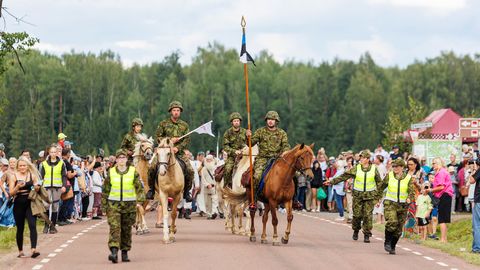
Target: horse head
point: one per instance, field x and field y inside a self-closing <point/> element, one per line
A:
<point x="304" y="158"/>
<point x="143" y="147"/>
<point x="164" y="154"/>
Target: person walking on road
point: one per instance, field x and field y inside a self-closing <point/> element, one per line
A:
<point x="400" y="192"/>
<point x="122" y="193"/>
<point x="366" y="179"/>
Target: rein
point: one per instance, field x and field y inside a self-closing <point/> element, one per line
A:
<point x="293" y="164"/>
<point x="167" y="164"/>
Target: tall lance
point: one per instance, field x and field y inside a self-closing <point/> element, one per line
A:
<point x="245" y="72"/>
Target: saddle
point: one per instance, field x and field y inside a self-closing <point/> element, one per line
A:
<point x="246" y="175"/>
<point x="218" y="174"/>
<point x="182" y="165"/>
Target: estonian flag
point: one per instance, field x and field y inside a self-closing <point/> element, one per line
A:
<point x="245" y="57"/>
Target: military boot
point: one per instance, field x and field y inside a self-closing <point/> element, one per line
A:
<point x="180" y="212"/>
<point x="113" y="256"/>
<point x="388" y="241"/>
<point x="355" y="235"/>
<point x="394" y="243"/>
<point x="187" y="213"/>
<point x="125" y="256"/>
<point x="366" y="238"/>
<point x="46" y="228"/>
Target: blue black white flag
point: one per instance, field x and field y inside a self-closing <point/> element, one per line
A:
<point x="245" y="57"/>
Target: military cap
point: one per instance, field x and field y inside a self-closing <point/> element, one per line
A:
<point x="272" y="115"/>
<point x="365" y="154"/>
<point x="235" y="115"/>
<point x="136" y="122"/>
<point x="121" y="152"/>
<point x="398" y="162"/>
<point x="175" y="104"/>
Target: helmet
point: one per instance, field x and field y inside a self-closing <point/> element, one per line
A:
<point x="272" y="115"/>
<point x="175" y="104"/>
<point x="121" y="152"/>
<point x="235" y="115"/>
<point x="398" y="163"/>
<point x="365" y="154"/>
<point x="137" y="121"/>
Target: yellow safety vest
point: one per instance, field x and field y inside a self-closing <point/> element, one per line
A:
<point x="53" y="174"/>
<point x="397" y="189"/>
<point x="122" y="189"/>
<point x="365" y="181"/>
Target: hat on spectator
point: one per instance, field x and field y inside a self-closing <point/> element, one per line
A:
<point x="365" y="154"/>
<point x="41" y="153"/>
<point x="331" y="158"/>
<point x="4" y="161"/>
<point x="395" y="147"/>
<point x="451" y="169"/>
<point x="61" y="136"/>
<point x="2" y="147"/>
<point x="398" y="163"/>
<point x="120" y="152"/>
<point x="97" y="165"/>
<point x="68" y="143"/>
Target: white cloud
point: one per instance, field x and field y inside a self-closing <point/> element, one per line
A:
<point x="135" y="44"/>
<point x="440" y="7"/>
<point x="283" y="46"/>
<point x="53" y="48"/>
<point x="381" y="50"/>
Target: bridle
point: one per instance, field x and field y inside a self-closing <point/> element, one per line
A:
<point x="294" y="165"/>
<point x="167" y="163"/>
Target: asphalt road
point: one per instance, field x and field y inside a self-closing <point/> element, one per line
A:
<point x="317" y="242"/>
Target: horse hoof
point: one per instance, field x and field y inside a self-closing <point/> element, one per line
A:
<point x="284" y="241"/>
<point x="253" y="239"/>
<point x="264" y="241"/>
<point x="139" y="233"/>
<point x="172" y="239"/>
<point x="167" y="241"/>
<point x="146" y="231"/>
<point x="276" y="243"/>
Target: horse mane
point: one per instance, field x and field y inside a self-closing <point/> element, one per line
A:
<point x="141" y="137"/>
<point x="295" y="149"/>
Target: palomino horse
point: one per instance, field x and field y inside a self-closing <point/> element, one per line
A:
<point x="279" y="188"/>
<point x="234" y="212"/>
<point x="141" y="156"/>
<point x="169" y="183"/>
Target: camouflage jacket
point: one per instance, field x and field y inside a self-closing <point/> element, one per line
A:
<point x="362" y="195"/>
<point x="234" y="140"/>
<point x="136" y="183"/>
<point x="411" y="186"/>
<point x="170" y="129"/>
<point x="270" y="143"/>
<point x="129" y="141"/>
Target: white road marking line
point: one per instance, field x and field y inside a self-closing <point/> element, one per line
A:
<point x="406" y="249"/>
<point x="442" y="264"/>
<point x="399" y="246"/>
<point x="36" y="267"/>
<point x="69" y="241"/>
<point x="75" y="237"/>
<point x="454" y="269"/>
<point x="84" y="231"/>
<point x="80" y="233"/>
<point x="64" y="246"/>
<point x="45" y="260"/>
<point x="51" y="255"/>
<point x="58" y="250"/>
<point x="417" y="253"/>
<point x="379" y="239"/>
<point x="428" y="258"/>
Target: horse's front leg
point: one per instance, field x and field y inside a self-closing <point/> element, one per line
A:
<point x="144" y="220"/>
<point x="164" y="202"/>
<point x="252" y="209"/>
<point x="264" y="221"/>
<point x="288" y="206"/>
<point x="173" y="227"/>
<point x="273" y="209"/>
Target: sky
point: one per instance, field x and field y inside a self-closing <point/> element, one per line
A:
<point x="394" y="32"/>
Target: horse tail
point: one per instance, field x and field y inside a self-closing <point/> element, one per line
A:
<point x="234" y="197"/>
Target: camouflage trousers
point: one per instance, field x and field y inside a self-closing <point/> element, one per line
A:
<point x="395" y="217"/>
<point x="362" y="215"/>
<point x="121" y="217"/>
<point x="258" y="167"/>
<point x="228" y="171"/>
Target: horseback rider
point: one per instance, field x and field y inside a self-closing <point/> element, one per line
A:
<point x="122" y="193"/>
<point x="234" y="139"/>
<point x="272" y="142"/>
<point x="173" y="128"/>
<point x="129" y="140"/>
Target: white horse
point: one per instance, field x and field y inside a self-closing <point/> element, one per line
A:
<point x="169" y="183"/>
<point x="234" y="212"/>
<point x="141" y="157"/>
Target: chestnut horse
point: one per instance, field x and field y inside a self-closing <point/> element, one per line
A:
<point x="278" y="188"/>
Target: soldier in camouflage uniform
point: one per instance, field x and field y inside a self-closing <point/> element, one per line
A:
<point x="129" y="140"/>
<point x="234" y="139"/>
<point x="122" y="193"/>
<point x="174" y="128"/>
<point x="400" y="192"/>
<point x="366" y="179"/>
<point x="272" y="142"/>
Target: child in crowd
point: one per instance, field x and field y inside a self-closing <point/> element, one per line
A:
<point x="424" y="208"/>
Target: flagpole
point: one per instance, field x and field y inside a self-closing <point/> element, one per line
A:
<point x="245" y="72"/>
